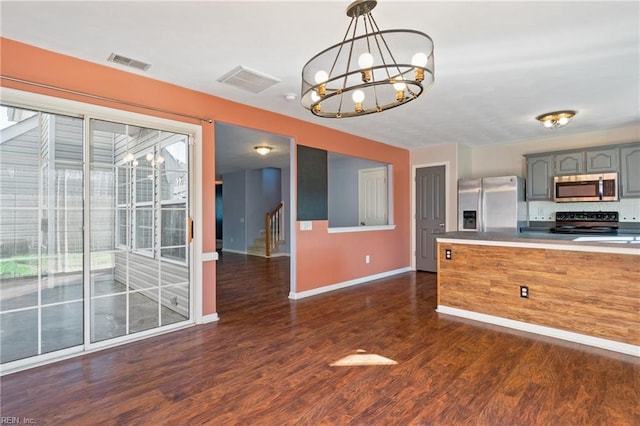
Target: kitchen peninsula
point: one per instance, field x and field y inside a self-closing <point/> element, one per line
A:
<point x="582" y="289"/>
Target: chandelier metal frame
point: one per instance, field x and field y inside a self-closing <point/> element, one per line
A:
<point x="341" y="81"/>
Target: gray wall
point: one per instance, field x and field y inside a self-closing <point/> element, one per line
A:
<point x="343" y="188"/>
<point x="234" y="236"/>
<point x="247" y="196"/>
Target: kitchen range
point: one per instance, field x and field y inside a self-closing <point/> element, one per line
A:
<point x="586" y="223"/>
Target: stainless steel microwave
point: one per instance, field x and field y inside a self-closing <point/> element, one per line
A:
<point x="576" y="188"/>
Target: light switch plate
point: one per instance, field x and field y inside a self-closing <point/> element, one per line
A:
<point x="306" y="225"/>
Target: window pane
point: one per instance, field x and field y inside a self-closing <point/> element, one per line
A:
<point x="143" y="310"/>
<point x="68" y="133"/>
<point x="62" y="287"/>
<point x="62" y="326"/>
<point x="19" y="337"/>
<point x="175" y="153"/>
<point x="143" y="185"/>
<point x="144" y="229"/>
<point x="123" y="189"/>
<point x="175" y="303"/>
<point x="123" y="227"/>
<point x="18" y="292"/>
<point x="174" y="185"/>
<point x="108" y="317"/>
<point x="143" y="272"/>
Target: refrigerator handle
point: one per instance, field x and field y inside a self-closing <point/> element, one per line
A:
<point x="480" y="213"/>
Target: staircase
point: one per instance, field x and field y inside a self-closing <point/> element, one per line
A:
<point x="259" y="246"/>
<point x="269" y="239"/>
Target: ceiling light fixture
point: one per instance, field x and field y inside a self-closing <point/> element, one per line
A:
<point x="369" y="71"/>
<point x="263" y="150"/>
<point x="551" y="120"/>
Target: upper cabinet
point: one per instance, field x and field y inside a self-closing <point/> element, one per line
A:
<point x="630" y="171"/>
<point x="570" y="163"/>
<point x="586" y="162"/>
<point x="602" y="160"/>
<point x="623" y="159"/>
<point x="539" y="177"/>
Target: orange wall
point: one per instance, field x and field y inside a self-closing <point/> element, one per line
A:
<point x="322" y="259"/>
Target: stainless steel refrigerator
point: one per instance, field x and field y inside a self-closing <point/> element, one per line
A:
<point x="492" y="204"/>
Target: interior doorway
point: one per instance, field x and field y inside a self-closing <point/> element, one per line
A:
<point x="251" y="185"/>
<point x="430" y="215"/>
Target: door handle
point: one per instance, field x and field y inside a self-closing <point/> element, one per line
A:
<point x="441" y="225"/>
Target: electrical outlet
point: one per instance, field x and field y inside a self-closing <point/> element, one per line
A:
<point x="524" y="291"/>
<point x="367" y="259"/>
<point x="447" y="254"/>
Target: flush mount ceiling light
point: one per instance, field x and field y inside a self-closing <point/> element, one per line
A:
<point x="369" y="71"/>
<point x="263" y="150"/>
<point x="551" y="120"/>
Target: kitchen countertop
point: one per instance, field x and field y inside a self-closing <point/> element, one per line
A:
<point x="622" y="243"/>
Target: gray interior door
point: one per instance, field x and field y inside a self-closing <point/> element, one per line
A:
<point x="430" y="215"/>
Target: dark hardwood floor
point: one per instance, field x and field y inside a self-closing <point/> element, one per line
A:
<point x="267" y="362"/>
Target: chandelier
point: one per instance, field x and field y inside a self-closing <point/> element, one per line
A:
<point x="369" y="71"/>
<point x="551" y="120"/>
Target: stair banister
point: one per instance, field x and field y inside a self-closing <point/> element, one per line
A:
<point x="274" y="228"/>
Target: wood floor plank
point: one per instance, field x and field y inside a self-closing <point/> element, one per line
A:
<point x="267" y="362"/>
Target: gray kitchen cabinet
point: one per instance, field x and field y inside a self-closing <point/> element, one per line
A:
<point x="604" y="160"/>
<point x="630" y="171"/>
<point x="569" y="163"/>
<point x="539" y="177"/>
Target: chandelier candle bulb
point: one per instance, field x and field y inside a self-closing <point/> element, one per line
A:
<point x="365" y="61"/>
<point x="321" y="78"/>
<point x="369" y="60"/>
<point x="358" y="97"/>
<point x="399" y="91"/>
<point x="419" y="60"/>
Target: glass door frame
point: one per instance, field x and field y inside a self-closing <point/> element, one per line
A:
<point x="129" y="337"/>
<point x="55" y="105"/>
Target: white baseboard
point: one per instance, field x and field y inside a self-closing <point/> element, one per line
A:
<point x="209" y="318"/>
<point x="584" y="339"/>
<point x="280" y="254"/>
<point x="333" y="287"/>
<point x="234" y="251"/>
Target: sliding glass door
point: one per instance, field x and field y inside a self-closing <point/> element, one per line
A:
<point x="139" y="210"/>
<point x="93" y="233"/>
<point x="41" y="239"/>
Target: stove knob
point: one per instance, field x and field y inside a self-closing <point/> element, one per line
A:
<point x="599" y="216"/>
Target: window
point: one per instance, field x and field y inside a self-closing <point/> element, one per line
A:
<point x="152" y="193"/>
<point x="359" y="192"/>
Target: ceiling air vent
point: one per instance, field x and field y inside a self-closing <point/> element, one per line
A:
<point x="133" y="63"/>
<point x="248" y="79"/>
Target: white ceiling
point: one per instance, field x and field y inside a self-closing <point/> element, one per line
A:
<point x="498" y="64"/>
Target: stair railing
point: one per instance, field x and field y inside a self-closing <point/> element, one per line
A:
<point x="274" y="226"/>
